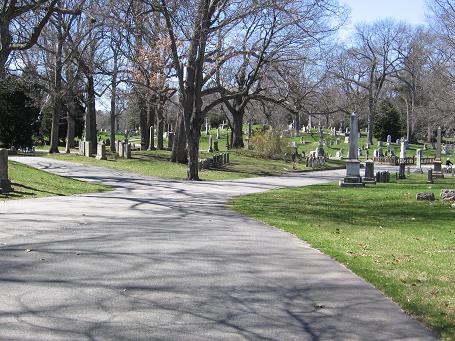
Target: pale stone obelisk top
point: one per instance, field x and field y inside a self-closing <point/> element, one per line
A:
<point x="354" y="138"/>
<point x="438" y="145"/>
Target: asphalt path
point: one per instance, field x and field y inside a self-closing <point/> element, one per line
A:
<point x="160" y="259"/>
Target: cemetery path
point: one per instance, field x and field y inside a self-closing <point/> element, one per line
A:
<point x="165" y="260"/>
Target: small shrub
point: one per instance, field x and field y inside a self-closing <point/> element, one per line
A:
<point x="269" y="144"/>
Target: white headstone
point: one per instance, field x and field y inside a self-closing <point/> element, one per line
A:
<point x="101" y="151"/>
<point x="403" y="150"/>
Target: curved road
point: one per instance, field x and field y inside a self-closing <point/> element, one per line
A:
<point x="164" y="260"/>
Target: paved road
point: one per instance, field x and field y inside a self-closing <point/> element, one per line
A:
<point x="164" y="260"/>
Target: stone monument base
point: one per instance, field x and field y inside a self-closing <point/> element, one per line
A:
<point x="352" y="182"/>
<point x="369" y="181"/>
<point x="437" y="170"/>
<point x="352" y="178"/>
<point x="5" y="186"/>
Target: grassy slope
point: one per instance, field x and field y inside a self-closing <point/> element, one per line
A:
<point x="404" y="247"/>
<point x="32" y="183"/>
<point x="155" y="163"/>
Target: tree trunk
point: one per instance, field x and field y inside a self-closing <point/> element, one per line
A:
<point x="70" y="130"/>
<point x="55" y="124"/>
<point x="407" y="120"/>
<point x="179" y="151"/>
<point x="297" y="124"/>
<point x="5" y="41"/>
<point x="90" y="115"/>
<point x="411" y="132"/>
<point x="143" y="121"/>
<point x="3" y="60"/>
<point x="151" y="122"/>
<point x="193" y="156"/>
<point x="370" y="121"/>
<point x="113" y="105"/>
<point x="237" y="131"/>
<point x="193" y="135"/>
<point x="160" y="126"/>
<point x="57" y="96"/>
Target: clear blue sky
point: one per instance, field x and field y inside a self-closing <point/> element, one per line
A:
<point x="411" y="11"/>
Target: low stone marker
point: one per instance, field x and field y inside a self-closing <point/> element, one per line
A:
<point x="81" y="148"/>
<point x="369" y="172"/>
<point x="88" y="148"/>
<point x="101" y="152"/>
<point x="425" y="196"/>
<point x="448" y="194"/>
<point x="5" y="183"/>
<point x="121" y="149"/>
<point x="127" y="151"/>
<point x="419" y="156"/>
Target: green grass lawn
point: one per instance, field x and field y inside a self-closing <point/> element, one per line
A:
<point x="32" y="183"/>
<point x="403" y="247"/>
<point x="155" y="163"/>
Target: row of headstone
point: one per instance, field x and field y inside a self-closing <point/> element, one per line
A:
<point x="123" y="149"/>
<point x="216" y="161"/>
<point x="314" y="161"/>
<point x="85" y="148"/>
<point x="5" y="183"/>
<point x="383" y="176"/>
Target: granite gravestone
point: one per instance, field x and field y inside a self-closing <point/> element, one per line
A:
<point x="437" y="163"/>
<point x="353" y="178"/>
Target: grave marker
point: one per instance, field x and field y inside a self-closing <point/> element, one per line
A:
<point x="353" y="178"/>
<point x="369" y="172"/>
<point x="101" y="152"/>
<point x="437" y="163"/>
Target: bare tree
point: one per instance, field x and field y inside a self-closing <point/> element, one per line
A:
<point x="21" y="24"/>
<point x="374" y="56"/>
